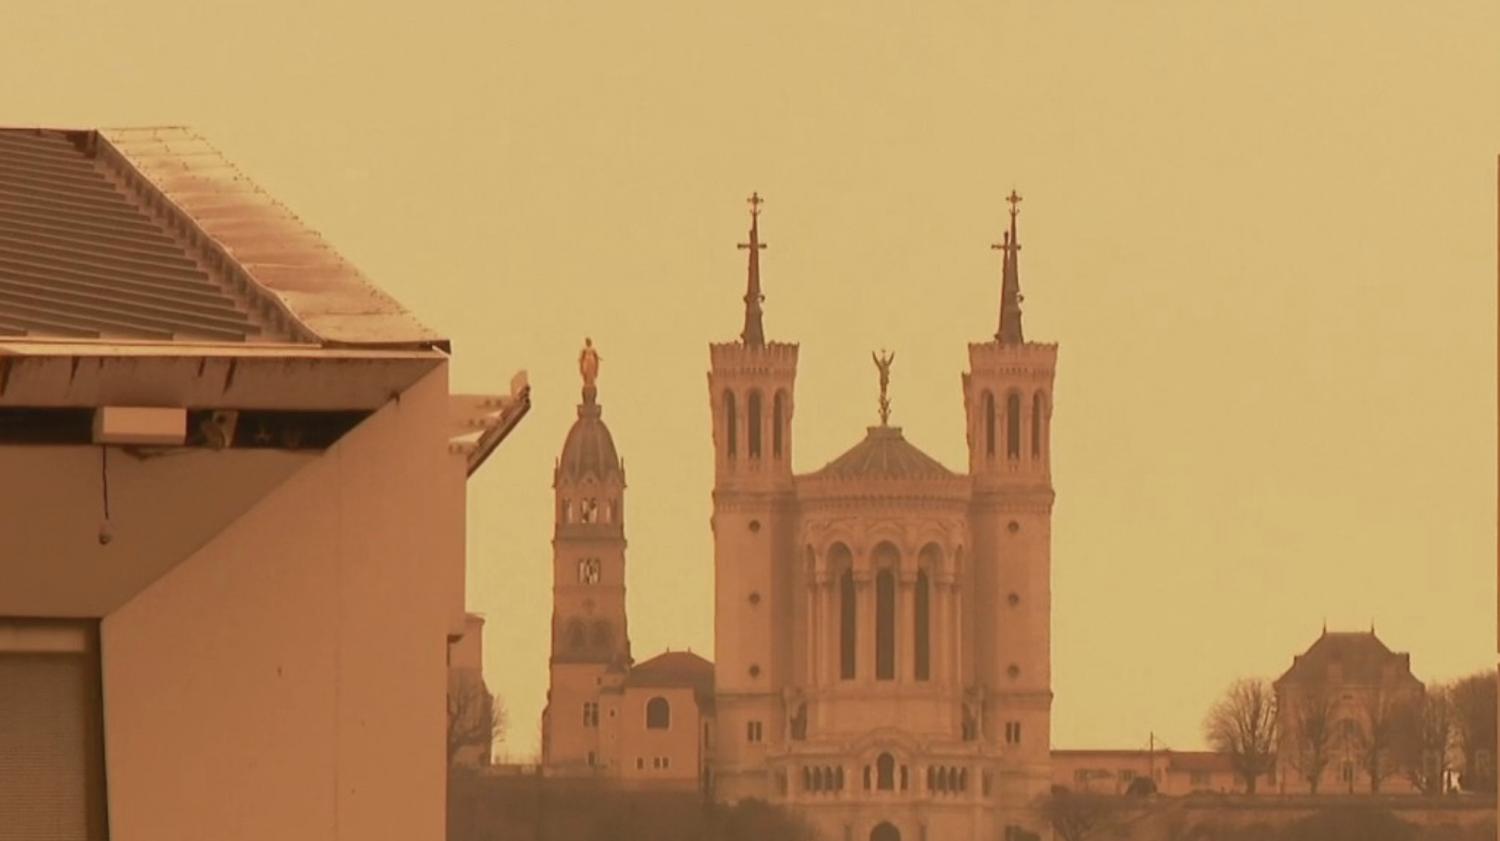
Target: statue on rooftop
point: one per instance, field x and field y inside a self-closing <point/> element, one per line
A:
<point x="588" y="363"/>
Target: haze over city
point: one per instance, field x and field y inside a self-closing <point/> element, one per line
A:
<point x="1264" y="239"/>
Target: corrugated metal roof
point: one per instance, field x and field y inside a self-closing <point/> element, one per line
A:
<point x="151" y="234"/>
<point x="80" y="256"/>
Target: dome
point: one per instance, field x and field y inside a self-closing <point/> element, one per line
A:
<point x="589" y="449"/>
<point x="885" y="454"/>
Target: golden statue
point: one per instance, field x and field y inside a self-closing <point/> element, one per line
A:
<point x="588" y="363"/>
<point x="883" y="363"/>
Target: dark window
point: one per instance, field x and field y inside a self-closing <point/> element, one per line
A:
<point x="752" y="731"/>
<point x="847" y="625"/>
<point x="989" y="424"/>
<point x="885" y="772"/>
<point x="1013" y="426"/>
<point x="576" y="635"/>
<point x="1036" y="425"/>
<point x="922" y="659"/>
<point x="731" y="424"/>
<point x="603" y="635"/>
<point x="658" y="714"/>
<point x="885" y="625"/>
<point x="752" y="413"/>
<point x="778" y="423"/>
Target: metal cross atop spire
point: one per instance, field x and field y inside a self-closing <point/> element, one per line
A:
<point x="1010" y="332"/>
<point x="754" y="333"/>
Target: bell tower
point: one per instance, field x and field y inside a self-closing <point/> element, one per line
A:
<point x="1008" y="403"/>
<point x="590" y="643"/>
<point x="750" y="386"/>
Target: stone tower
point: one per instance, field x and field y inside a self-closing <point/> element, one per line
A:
<point x="590" y="643"/>
<point x="750" y="384"/>
<point x="1008" y="404"/>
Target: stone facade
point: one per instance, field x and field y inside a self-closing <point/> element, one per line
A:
<point x="882" y="625"/>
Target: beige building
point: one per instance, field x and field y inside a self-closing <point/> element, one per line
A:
<point x="882" y="625"/>
<point x="1352" y="689"/>
<point x="232" y="478"/>
<point x="1173" y="772"/>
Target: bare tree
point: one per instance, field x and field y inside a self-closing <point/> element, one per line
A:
<point x="475" y="717"/>
<point x="1423" y="738"/>
<point x="1079" y="815"/>
<point x="1377" y="743"/>
<point x="1242" y="724"/>
<point x="1310" y="741"/>
<point x="1474" y="722"/>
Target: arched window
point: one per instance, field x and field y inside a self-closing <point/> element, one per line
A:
<point x="731" y="425"/>
<point x="576" y="635"/>
<point x="885" y="772"/>
<point x="885" y="625"/>
<point x="807" y="778"/>
<point x="658" y="714"/>
<point x="567" y="511"/>
<point x="922" y="653"/>
<point x="1037" y="413"/>
<point x="752" y="424"/>
<point x="840" y="562"/>
<point x="838" y="778"/>
<point x="885" y="832"/>
<point x="1013" y="426"/>
<point x="778" y="423"/>
<point x="989" y="424"/>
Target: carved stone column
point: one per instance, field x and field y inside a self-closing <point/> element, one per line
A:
<point x="864" y="625"/>
<point x="906" y="625"/>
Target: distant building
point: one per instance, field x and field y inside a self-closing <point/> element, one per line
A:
<point x="882" y="625"/>
<point x="1354" y="689"/>
<point x="1172" y="772"/>
<point x="232" y="483"/>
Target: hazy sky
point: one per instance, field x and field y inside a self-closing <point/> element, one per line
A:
<point x="1263" y="233"/>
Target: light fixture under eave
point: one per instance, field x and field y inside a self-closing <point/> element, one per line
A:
<point x="140" y="425"/>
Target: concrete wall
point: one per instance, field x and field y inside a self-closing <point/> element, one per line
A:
<point x="285" y="678"/>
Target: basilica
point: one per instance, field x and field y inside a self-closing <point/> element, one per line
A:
<point x="882" y="625"/>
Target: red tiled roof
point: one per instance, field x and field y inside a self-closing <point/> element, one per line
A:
<point x="675" y="669"/>
<point x="1361" y="657"/>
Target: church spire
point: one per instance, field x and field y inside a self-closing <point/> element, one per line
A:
<point x="1010" y="286"/>
<point x="754" y="334"/>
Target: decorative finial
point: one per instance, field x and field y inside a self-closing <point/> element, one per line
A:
<point x="883" y="363"/>
<point x="1010" y="332"/>
<point x="588" y="366"/>
<point x="754" y="333"/>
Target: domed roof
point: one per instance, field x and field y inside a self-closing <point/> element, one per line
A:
<point x="885" y="454"/>
<point x="589" y="449"/>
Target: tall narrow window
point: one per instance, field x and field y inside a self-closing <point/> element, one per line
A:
<point x="885" y="772"/>
<point x="752" y="424"/>
<point x="847" y="625"/>
<point x="922" y="658"/>
<point x="1036" y="425"/>
<point x="731" y="425"/>
<point x="989" y="424"/>
<point x="778" y="423"/>
<point x="885" y="625"/>
<point x="1013" y="426"/>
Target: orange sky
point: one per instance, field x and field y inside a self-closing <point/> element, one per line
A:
<point x="1263" y="233"/>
